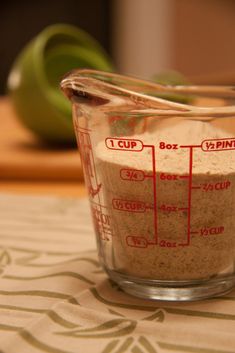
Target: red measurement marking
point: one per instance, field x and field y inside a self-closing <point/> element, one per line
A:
<point x="132" y="174"/>
<point x="168" y="208"/>
<point x="167" y="244"/>
<point x="190" y="187"/>
<point x="129" y="205"/>
<point x="169" y="146"/>
<point x="213" y="145"/>
<point x="168" y="177"/>
<point x="224" y="185"/>
<point x="148" y="176"/>
<point x="205" y="231"/>
<point x="219" y="186"/>
<point x="154" y="192"/>
<point x="190" y="146"/>
<point x="190" y="191"/>
<point x="136" y="241"/>
<point x="208" y="187"/>
<point x="124" y="144"/>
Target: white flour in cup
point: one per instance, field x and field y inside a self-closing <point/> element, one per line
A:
<point x="211" y="247"/>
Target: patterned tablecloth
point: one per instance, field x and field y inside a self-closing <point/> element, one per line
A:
<point x="55" y="298"/>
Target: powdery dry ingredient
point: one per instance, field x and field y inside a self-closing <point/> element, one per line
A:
<point x="211" y="250"/>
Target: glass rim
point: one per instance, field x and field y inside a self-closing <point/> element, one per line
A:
<point x="108" y="87"/>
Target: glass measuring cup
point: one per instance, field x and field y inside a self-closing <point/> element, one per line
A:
<point x="161" y="182"/>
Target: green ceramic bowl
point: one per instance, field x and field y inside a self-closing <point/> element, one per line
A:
<point x="33" y="82"/>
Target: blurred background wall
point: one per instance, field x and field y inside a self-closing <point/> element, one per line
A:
<point x="204" y="39"/>
<point x="195" y="37"/>
<point x="21" y="20"/>
<point x="142" y="35"/>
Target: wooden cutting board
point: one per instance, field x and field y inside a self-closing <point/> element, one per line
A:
<point x="23" y="157"/>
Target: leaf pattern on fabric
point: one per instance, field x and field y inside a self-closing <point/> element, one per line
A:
<point x="112" y="328"/>
<point x="55" y="298"/>
<point x="130" y="344"/>
<point x="5" y="258"/>
<point x="27" y="259"/>
<point x="158" y="316"/>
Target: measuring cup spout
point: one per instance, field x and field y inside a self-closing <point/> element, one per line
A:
<point x="81" y="90"/>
